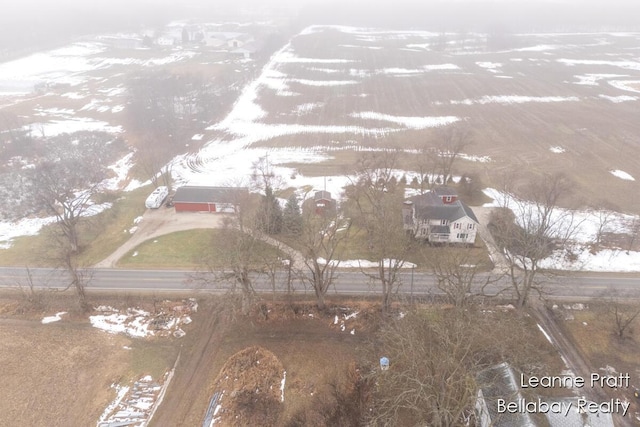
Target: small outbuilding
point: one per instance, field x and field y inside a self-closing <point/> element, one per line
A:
<point x="208" y="199"/>
<point x="324" y="203"/>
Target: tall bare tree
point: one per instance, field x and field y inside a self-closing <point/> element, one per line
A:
<point x="452" y="141"/>
<point x="320" y="240"/>
<point x="529" y="228"/>
<point x="434" y="357"/>
<point x="623" y="314"/>
<point x="376" y="199"/>
<point x="605" y="215"/>
<point x="65" y="180"/>
<point x="436" y="158"/>
<point x="238" y="259"/>
<point x="459" y="273"/>
<point x="431" y="380"/>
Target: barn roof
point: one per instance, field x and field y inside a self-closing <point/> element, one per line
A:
<point x="197" y="194"/>
<point x="322" y="195"/>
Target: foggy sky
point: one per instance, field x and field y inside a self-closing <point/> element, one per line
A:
<point x="45" y="21"/>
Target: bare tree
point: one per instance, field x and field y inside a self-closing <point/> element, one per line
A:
<point x="64" y="182"/>
<point x="154" y="160"/>
<point x="430" y="381"/>
<point x="605" y="214"/>
<point x="376" y="198"/>
<point x="235" y="261"/>
<point x="79" y="278"/>
<point x="435" y="160"/>
<point x="529" y="229"/>
<point x="623" y="314"/>
<point x="435" y="354"/>
<point x="459" y="274"/>
<point x="634" y="232"/>
<point x="320" y="240"/>
<point x="32" y="294"/>
<point x="426" y="165"/>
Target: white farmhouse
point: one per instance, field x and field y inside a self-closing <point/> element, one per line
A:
<point x="440" y="217"/>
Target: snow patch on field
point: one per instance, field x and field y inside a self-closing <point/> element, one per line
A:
<point x="32" y="226"/>
<point x="626" y="85"/>
<point x="121" y="169"/>
<point x="557" y="149"/>
<point x="307" y="107"/>
<point x="23" y="227"/>
<point x="364" y="263"/>
<point x="288" y="57"/>
<point x="539" y="48"/>
<point x="627" y="65"/>
<point x="51" y="319"/>
<point x="408" y="122"/>
<point x="619" y="99"/>
<point x="58" y="66"/>
<point x="622" y="175"/>
<point x="594" y="79"/>
<point x="71" y="125"/>
<point x="515" y="99"/>
<point x="494" y="67"/>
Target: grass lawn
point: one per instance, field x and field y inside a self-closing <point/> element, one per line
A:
<point x="355" y="247"/>
<point x="101" y="234"/>
<point x="593" y="331"/>
<point x="182" y="249"/>
<point x="185" y="249"/>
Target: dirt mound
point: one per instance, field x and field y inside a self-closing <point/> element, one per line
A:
<point x="250" y="387"/>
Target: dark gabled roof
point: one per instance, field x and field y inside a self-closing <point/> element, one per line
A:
<point x="468" y="211"/>
<point x="431" y="206"/>
<point x="196" y="194"/>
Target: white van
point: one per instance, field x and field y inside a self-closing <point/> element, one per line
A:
<point x="155" y="199"/>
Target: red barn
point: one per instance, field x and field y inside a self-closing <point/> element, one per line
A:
<point x="208" y="199"/>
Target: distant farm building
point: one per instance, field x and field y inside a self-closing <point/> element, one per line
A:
<point x="208" y="199"/>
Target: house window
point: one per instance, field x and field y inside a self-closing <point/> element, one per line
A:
<point x="462" y="235"/>
<point x="447" y="199"/>
<point x="444" y="222"/>
<point x="457" y="225"/>
<point x="470" y="226"/>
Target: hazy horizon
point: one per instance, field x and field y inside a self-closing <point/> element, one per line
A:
<point x="34" y="23"/>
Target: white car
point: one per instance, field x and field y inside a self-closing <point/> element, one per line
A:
<point x="155" y="199"/>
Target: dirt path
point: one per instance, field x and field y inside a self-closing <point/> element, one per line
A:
<point x="189" y="388"/>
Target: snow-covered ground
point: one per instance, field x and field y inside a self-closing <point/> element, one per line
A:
<point x="582" y="226"/>
<point x="138" y="323"/>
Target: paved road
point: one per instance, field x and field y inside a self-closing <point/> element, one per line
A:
<point x="347" y="282"/>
